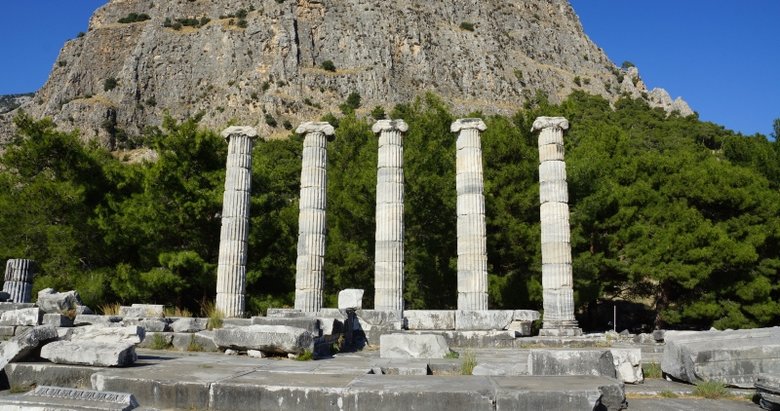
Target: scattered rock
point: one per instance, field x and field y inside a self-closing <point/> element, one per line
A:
<point x="255" y="353"/>
<point x="21" y="346"/>
<point x="628" y="364"/>
<point x="50" y="301"/>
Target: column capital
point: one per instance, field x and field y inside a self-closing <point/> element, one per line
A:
<point x="550" y="122"/>
<point x="315" y="127"/>
<point x="390" y="125"/>
<point x="468" y="123"/>
<point x="250" y="132"/>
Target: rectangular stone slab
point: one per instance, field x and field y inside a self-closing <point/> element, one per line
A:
<point x="559" y="393"/>
<point x="273" y="338"/>
<point x="734" y="357"/>
<point x="98" y="354"/>
<point x="51" y="398"/>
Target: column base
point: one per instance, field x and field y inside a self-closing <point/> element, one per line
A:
<point x="566" y="328"/>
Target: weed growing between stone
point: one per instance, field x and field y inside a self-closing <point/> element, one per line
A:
<point x="110" y="309"/>
<point x="215" y="316"/>
<point x="176" y="312"/>
<point x="193" y="346"/>
<point x="452" y="355"/>
<point x="711" y="390"/>
<point x="652" y="370"/>
<point x="468" y="362"/>
<point x="159" y="342"/>
<point x="668" y="394"/>
<point x="305" y="356"/>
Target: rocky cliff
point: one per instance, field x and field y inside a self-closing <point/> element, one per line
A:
<point x="274" y="63"/>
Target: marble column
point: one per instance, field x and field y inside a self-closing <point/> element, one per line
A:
<point x="557" y="279"/>
<point x="389" y="256"/>
<point x="472" y="243"/>
<point x="310" y="274"/>
<point x="19" y="274"/>
<point x="231" y="271"/>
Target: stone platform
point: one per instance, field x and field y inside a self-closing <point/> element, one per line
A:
<point x="345" y="382"/>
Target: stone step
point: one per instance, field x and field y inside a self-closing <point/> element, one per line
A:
<point x="237" y="384"/>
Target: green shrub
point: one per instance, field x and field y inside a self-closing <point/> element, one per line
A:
<point x="110" y="84"/>
<point x="134" y="17"/>
<point x="270" y="120"/>
<point x="328" y="65"/>
<point x="578" y="81"/>
<point x="305" y="356"/>
<point x="467" y="26"/>
<point x="378" y="113"/>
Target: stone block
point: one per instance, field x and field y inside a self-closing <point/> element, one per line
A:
<point x="413" y="346"/>
<point x="20" y="346"/>
<point x="268" y="338"/>
<point x="150" y="324"/>
<point x="94" y="319"/>
<point x="483" y="319"/>
<point x="153" y="338"/>
<point x="526" y="315"/>
<point x="142" y="311"/>
<point x="7" y="330"/>
<point x="521" y="328"/>
<point x="131" y="334"/>
<point x="559" y="393"/>
<point x="381" y="318"/>
<point x="236" y="322"/>
<point x="199" y="341"/>
<point x="733" y="357"/>
<point x="571" y="362"/>
<point x="768" y="390"/>
<point x="24" y="316"/>
<point x="330" y="326"/>
<point x="430" y="319"/>
<point x="10" y="306"/>
<point x="91" y="353"/>
<point x="284" y="312"/>
<point x="21" y="329"/>
<point x="50" y="301"/>
<point x="60" y="398"/>
<point x="628" y="364"/>
<point x="504" y="368"/>
<point x="351" y="298"/>
<point x="309" y="324"/>
<point x="189" y="325"/>
<point x="57" y="320"/>
<point x="659" y="335"/>
<point x="32" y="374"/>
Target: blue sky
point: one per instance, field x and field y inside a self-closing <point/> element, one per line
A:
<point x="722" y="56"/>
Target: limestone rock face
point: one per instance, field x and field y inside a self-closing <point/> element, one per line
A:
<point x="490" y="56"/>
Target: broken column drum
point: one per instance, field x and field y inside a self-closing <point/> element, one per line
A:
<point x="19" y="275"/>
<point x="389" y="251"/>
<point x="231" y="271"/>
<point x="310" y="274"/>
<point x="557" y="278"/>
<point x="472" y="243"/>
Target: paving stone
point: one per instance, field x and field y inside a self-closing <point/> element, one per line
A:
<point x="268" y="338"/>
<point x="733" y="357"/>
<point x="563" y="362"/>
<point x="21" y="346"/>
<point x="91" y="353"/>
<point x="413" y="346"/>
<point x="61" y="398"/>
<point x="430" y="319"/>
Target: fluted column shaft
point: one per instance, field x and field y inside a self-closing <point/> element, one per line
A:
<point x="472" y="243"/>
<point x="389" y="252"/>
<point x="19" y="274"/>
<point x="310" y="273"/>
<point x="557" y="278"/>
<point x="234" y="235"/>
